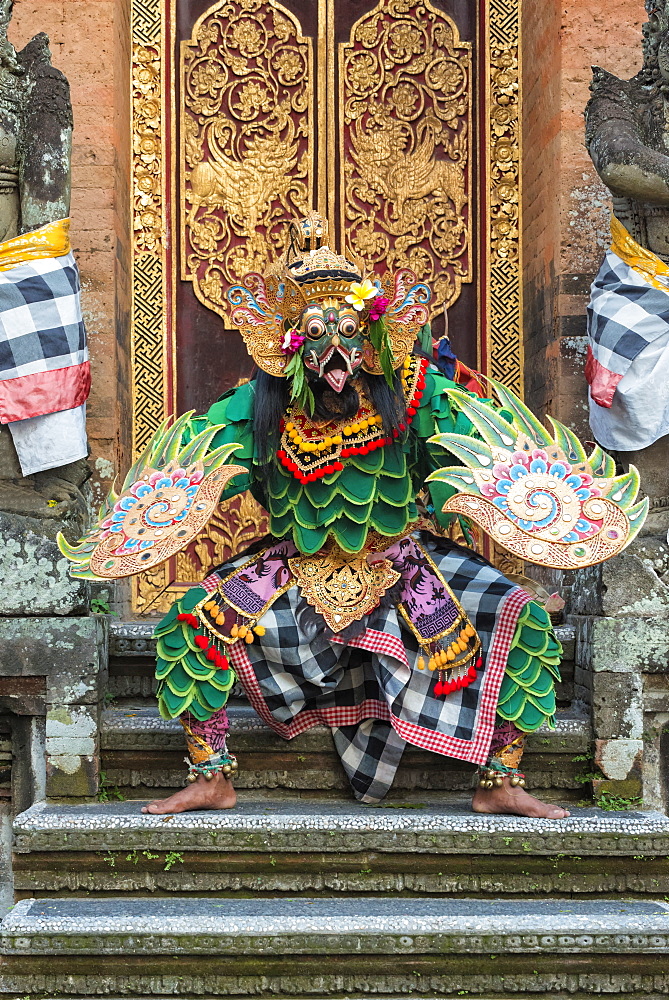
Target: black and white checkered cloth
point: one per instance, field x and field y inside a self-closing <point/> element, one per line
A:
<point x="368" y="690"/>
<point x="41" y="326"/>
<point x="625" y="314"/>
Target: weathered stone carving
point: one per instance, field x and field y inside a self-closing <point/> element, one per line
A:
<point x="627" y="136"/>
<point x="35" y="156"/>
<point x="621" y="608"/>
<point x="35" y="135"/>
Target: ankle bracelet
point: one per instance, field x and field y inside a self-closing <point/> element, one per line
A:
<point x="219" y="763"/>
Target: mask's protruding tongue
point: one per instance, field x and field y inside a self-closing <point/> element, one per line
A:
<point x="336" y="378"/>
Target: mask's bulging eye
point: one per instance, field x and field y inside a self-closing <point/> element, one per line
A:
<point x="315" y="328"/>
<point x="348" y="327"/>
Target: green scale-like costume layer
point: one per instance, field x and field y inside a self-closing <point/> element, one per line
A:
<point x="375" y="492"/>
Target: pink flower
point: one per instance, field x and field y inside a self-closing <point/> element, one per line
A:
<point x="378" y="308"/>
<point x="292" y="342"/>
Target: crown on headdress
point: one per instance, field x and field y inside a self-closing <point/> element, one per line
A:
<point x="309" y="271"/>
<point x="322" y="274"/>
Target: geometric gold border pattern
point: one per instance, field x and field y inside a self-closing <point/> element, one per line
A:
<point x="503" y="285"/>
<point x="148" y="323"/>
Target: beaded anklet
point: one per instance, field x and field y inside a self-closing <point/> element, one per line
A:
<point x="219" y="763"/>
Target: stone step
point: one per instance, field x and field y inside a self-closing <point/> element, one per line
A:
<point x="132" y="658"/>
<point x="277" y="947"/>
<point x="336" y="848"/>
<point x="142" y="752"/>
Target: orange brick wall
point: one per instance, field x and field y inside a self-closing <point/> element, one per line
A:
<point x="566" y="208"/>
<point x="89" y="43"/>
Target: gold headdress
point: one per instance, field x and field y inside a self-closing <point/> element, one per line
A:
<point x="309" y="271"/>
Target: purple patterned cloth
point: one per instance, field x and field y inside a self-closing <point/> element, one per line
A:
<point x="426" y="600"/>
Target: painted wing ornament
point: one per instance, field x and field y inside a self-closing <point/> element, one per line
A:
<point x="167" y="498"/>
<point x="538" y="495"/>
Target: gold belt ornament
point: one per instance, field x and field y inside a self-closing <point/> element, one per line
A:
<point x="343" y="587"/>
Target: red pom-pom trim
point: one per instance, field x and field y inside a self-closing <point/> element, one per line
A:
<point x="212" y="653"/>
<point x="201" y="641"/>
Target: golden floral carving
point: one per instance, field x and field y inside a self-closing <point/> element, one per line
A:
<point x="405" y="107"/>
<point x="505" y="154"/>
<point x="247" y="141"/>
<point x="147" y="149"/>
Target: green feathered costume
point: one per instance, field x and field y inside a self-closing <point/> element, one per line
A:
<point x="373" y="492"/>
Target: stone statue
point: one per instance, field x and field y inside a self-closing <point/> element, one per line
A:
<point x="35" y="155"/>
<point x="627" y="136"/>
<point x="35" y="135"/>
<point x="617" y="605"/>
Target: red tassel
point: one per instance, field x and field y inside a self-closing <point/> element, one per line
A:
<point x="479" y="663"/>
<point x="183" y="618"/>
<point x="201" y="641"/>
<point x="411" y="411"/>
<point x="471" y="673"/>
<point x="338" y="466"/>
<point x="212" y="653"/>
<point x="438" y="689"/>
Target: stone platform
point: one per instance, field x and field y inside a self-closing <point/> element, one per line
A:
<point x="295" y="846"/>
<point x="328" y="948"/>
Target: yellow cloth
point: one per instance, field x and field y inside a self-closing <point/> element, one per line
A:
<point x="52" y="240"/>
<point x="654" y="270"/>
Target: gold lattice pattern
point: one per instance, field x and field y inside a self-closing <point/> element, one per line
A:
<point x="405" y="133"/>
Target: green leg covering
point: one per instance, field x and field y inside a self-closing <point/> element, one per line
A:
<point x="527" y="694"/>
<point x="188" y="679"/>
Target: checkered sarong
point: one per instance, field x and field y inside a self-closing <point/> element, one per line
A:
<point x="369" y="690"/>
<point x="43" y="355"/>
<point x="625" y="315"/>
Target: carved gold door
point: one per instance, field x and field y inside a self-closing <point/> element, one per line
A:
<point x="396" y="119"/>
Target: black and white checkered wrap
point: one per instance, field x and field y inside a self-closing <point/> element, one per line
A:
<point x="625" y="314"/>
<point x="41" y="326"/>
<point x="369" y="690"/>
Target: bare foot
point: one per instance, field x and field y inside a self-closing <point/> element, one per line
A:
<point x="515" y="801"/>
<point x="202" y="794"/>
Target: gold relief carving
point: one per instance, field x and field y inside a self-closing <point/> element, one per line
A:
<point x="505" y="561"/>
<point x="505" y="343"/>
<point x="405" y="127"/>
<point x="235" y="525"/>
<point x="147" y="148"/>
<point x="247" y="146"/>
